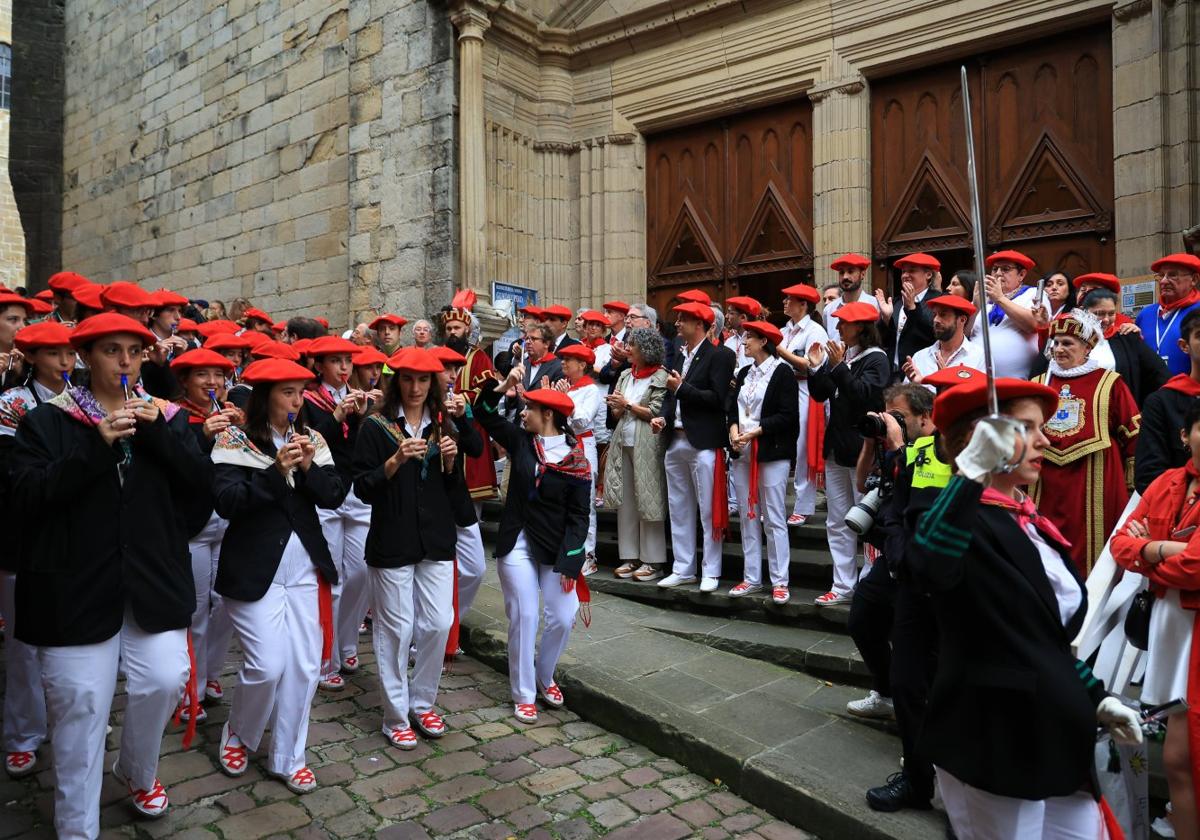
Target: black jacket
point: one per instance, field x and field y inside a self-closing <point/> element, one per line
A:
<point x="470" y="445"/>
<point x="412" y="518"/>
<point x="551" y="369"/>
<point x="703" y="395"/>
<point x="1011" y="711"/>
<point x="340" y="441"/>
<point x="780" y="416"/>
<point x="858" y="389"/>
<point x="94" y="545"/>
<point x="552" y="511"/>
<point x="918" y="328"/>
<point x="1158" y="445"/>
<point x="263" y="512"/>
<point x="198" y="507"/>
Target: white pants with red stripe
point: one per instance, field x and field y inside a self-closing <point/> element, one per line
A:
<point x="345" y="530"/>
<point x="690" y="491"/>
<point x="593" y="459"/>
<point x="806" y="488"/>
<point x="842" y="494"/>
<point x="770" y="517"/>
<point x="413" y="605"/>
<point x="24" y="698"/>
<point x="978" y="815"/>
<point x="472" y="565"/>
<point x="212" y="631"/>
<point x="281" y="641"/>
<point x="80" y="681"/>
<point x="533" y="592"/>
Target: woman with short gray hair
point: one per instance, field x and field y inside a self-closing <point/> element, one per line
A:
<point x="634" y="482"/>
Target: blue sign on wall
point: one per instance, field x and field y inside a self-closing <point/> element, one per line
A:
<point x="520" y="296"/>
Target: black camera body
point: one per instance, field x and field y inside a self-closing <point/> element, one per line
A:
<point x="872" y="426"/>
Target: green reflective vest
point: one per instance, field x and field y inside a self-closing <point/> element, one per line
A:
<point x="922" y="460"/>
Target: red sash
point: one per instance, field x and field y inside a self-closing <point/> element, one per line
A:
<point x="814" y="435"/>
<point x="752" y="500"/>
<point x="452" y="639"/>
<point x="325" y="611"/>
<point x="191" y="697"/>
<point x="720" y="499"/>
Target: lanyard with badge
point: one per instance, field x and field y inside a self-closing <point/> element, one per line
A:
<point x="1158" y="332"/>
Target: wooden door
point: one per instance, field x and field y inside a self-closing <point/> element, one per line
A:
<point x="1043" y="140"/>
<point x="730" y="201"/>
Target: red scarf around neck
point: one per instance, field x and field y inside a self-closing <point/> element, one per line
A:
<point x="1187" y="300"/>
<point x="646" y="372"/>
<point x="549" y="357"/>
<point x="1026" y="513"/>
<point x="1184" y="384"/>
<point x="583" y="382"/>
<point x="595" y="342"/>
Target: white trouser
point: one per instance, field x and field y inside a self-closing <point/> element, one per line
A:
<point x="690" y="490"/>
<point x="472" y="565"/>
<point x="731" y="493"/>
<point x="79" y="682"/>
<point x="806" y="488"/>
<point x="24" y="699"/>
<point x="842" y="494"/>
<point x="593" y="459"/>
<point x="522" y="580"/>
<point x="770" y="517"/>
<point x="281" y="642"/>
<point x="636" y="538"/>
<point x="414" y="605"/>
<point x="345" y="531"/>
<point x="211" y="628"/>
<point x="978" y="815"/>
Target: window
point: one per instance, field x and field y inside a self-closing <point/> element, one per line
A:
<point x="6" y="76"/>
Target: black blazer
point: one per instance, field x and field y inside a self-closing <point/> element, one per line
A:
<point x="1011" y="710"/>
<point x="566" y="342"/>
<point x="263" y="512"/>
<point x="918" y="327"/>
<point x="94" y="545"/>
<point x="552" y="511"/>
<point x="340" y="443"/>
<point x="858" y="389"/>
<point x="412" y="518"/>
<point x="1158" y="445"/>
<point x="198" y="508"/>
<point x="780" y="418"/>
<point x="703" y="395"/>
<point x="470" y="445"/>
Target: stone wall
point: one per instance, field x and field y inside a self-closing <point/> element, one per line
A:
<point x="12" y="237"/>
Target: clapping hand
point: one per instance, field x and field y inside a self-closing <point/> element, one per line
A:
<point x="836" y="352"/>
<point x="886" y="306"/>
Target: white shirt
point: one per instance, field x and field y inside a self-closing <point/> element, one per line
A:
<point x="797" y="338"/>
<point x="737" y="343"/>
<point x="338" y="394"/>
<point x="1013" y="351"/>
<point x="968" y="353"/>
<point x="555" y="448"/>
<point x="603" y="355"/>
<point x="753" y="391"/>
<point x="831" y="323"/>
<point x="1102" y="354"/>
<point x="409" y="430"/>
<point x="1067" y="591"/>
<point x="635" y="392"/>
<point x="587" y="402"/>
<point x="688" y="356"/>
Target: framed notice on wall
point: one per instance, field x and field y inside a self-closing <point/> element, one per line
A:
<point x="520" y="296"/>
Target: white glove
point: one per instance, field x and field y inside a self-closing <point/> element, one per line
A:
<point x="993" y="446"/>
<point x="1121" y="721"/>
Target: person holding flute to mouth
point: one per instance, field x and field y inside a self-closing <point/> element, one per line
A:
<point x="111" y="584"/>
<point x="335" y="409"/>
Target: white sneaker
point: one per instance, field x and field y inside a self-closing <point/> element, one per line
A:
<point x="675" y="580"/>
<point x="709" y="584"/>
<point x="874" y="705"/>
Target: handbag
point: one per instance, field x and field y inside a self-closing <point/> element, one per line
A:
<point x="1137" y="620"/>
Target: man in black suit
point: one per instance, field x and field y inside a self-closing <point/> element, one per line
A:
<point x="538" y="361"/>
<point x="557" y="318"/>
<point x="908" y="327"/>
<point x="694" y="422"/>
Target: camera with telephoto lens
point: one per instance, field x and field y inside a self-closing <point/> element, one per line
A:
<point x="861" y="517"/>
<point x="872" y="425"/>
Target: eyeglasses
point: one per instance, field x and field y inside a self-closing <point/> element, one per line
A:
<point x="1173" y="275"/>
<point x="633" y="317"/>
<point x="1004" y="269"/>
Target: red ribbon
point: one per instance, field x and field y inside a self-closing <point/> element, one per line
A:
<point x="720" y="499"/>
<point x="814" y="436"/>
<point x="452" y="639"/>
<point x="191" y="696"/>
<point x="325" y="611"/>
<point x="752" y="501"/>
<point x="585" y="600"/>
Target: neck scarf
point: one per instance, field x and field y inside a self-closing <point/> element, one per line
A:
<point x="1184" y="384"/>
<point x="643" y="373"/>
<point x="1026" y="513"/>
<point x="1187" y="300"/>
<point x="575" y="464"/>
<point x="233" y="446"/>
<point x="996" y="313"/>
<point x="81" y="405"/>
<point x="322" y="399"/>
<point x="583" y="382"/>
<point x="595" y="342"/>
<point x="549" y="357"/>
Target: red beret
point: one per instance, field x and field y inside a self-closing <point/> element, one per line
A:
<point x="591" y="316"/>
<point x="324" y="322"/>
<point x="803" y="291"/>
<point x="301" y="345"/>
<point x="45" y="334"/>
<point x="552" y="399"/>
<point x="275" y="350"/>
<point x="202" y="358"/>
<point x="226" y="341"/>
<point x="951" y="377"/>
<point x="1108" y="281"/>
<point x="165" y="297"/>
<point x="578" y="351"/>
<point x="388" y="318"/>
<point x="220" y="327"/>
<point x="257" y="339"/>
<point x="187" y="325"/>
<point x="447" y="356"/>
<point x="109" y="323"/>
<point x="856" y="313"/>
<point x="533" y="311"/>
<point x="44" y="294"/>
<point x="415" y="360"/>
<point x="617" y="306"/>
<point x="850" y="261"/>
<point x="39" y="307"/>
<point x="958" y="304"/>
<point x="919" y="260"/>
<point x="66" y="281"/>
<point x="1015" y="257"/>
<point x="702" y="311"/>
<point x="1191" y="263"/>
<point x="88" y="295"/>
<point x="694" y="296"/>
<point x="13" y="299"/>
<point x="126" y="295"/>
<point x="368" y="356"/>
<point x="279" y="326"/>
<point x="958" y="401"/>
<point x="330" y="345"/>
<point x="275" y="370"/>
<point x="766" y="329"/>
<point x="559" y="311"/>
<point x="745" y="304"/>
<point x="253" y="314"/>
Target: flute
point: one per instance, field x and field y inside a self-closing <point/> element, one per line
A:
<point x="66" y="379"/>
<point x="125" y="386"/>
<point x="216" y="406"/>
<point x="291" y="429"/>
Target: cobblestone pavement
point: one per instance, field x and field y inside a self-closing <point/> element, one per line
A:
<point x="489" y="777"/>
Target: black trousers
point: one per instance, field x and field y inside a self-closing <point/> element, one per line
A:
<point x="870" y="625"/>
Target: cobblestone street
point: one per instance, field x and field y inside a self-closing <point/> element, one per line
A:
<point x="489" y="777"/>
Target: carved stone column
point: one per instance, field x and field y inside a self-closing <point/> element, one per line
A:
<point x="472" y="21"/>
<point x="841" y="171"/>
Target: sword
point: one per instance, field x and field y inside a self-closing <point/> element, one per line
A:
<point x="977" y="234"/>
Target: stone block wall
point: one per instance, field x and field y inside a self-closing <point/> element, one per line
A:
<point x="12" y="238"/>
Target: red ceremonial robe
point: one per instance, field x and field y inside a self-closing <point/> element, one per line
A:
<point x="481" y="471"/>
<point x="1088" y="470"/>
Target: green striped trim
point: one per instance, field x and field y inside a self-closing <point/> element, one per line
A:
<point x="937" y="540"/>
<point x="576" y="551"/>
<point x="1085" y="673"/>
<point x="487" y="406"/>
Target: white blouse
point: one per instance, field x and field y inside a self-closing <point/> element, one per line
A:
<point x="753" y="391"/>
